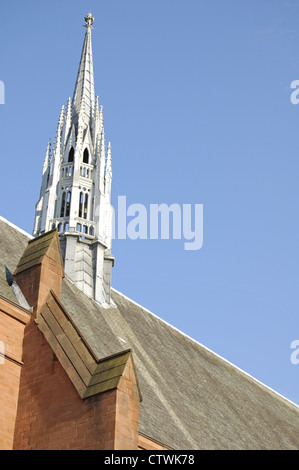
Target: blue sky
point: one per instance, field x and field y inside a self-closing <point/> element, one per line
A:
<point x="196" y="98"/>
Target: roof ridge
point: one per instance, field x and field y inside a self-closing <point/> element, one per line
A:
<point x="23" y="232"/>
<point x="258" y="382"/>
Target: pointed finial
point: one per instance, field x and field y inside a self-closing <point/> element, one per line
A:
<point x="69" y="109"/>
<point x="47" y="157"/>
<point x="101" y="116"/>
<point x="61" y="116"/>
<point x="89" y="19"/>
<point x="108" y="164"/>
<point x="97" y="106"/>
<point x="108" y="170"/>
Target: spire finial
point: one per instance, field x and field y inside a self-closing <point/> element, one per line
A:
<point x="89" y="19"/>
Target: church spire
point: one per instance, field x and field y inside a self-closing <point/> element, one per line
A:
<point x="75" y="194"/>
<point x="84" y="88"/>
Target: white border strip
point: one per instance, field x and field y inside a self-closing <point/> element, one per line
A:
<point x="209" y="350"/>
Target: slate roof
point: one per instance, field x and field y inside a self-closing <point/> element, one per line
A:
<point x="12" y="244"/>
<point x="191" y="398"/>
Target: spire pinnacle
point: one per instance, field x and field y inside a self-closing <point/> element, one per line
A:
<point x="109" y="161"/>
<point x="47" y="157"/>
<point x="89" y="19"/>
<point x="85" y="79"/>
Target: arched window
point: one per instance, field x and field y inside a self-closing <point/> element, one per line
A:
<point x="86" y="156"/>
<point x="62" y="205"/>
<point x="80" y="204"/>
<point x="68" y="204"/>
<point x="85" y="206"/>
<point x="71" y="155"/>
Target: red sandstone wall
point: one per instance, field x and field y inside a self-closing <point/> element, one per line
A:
<point x="36" y="282"/>
<point x="127" y="411"/>
<point x="51" y="415"/>
<point x="12" y="324"/>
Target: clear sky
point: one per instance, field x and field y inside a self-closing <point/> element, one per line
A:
<point x="197" y="107"/>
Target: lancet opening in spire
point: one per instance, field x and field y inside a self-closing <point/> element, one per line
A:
<point x="84" y="93"/>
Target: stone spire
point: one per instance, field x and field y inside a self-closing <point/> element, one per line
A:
<point x="84" y="88"/>
<point x="76" y="186"/>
